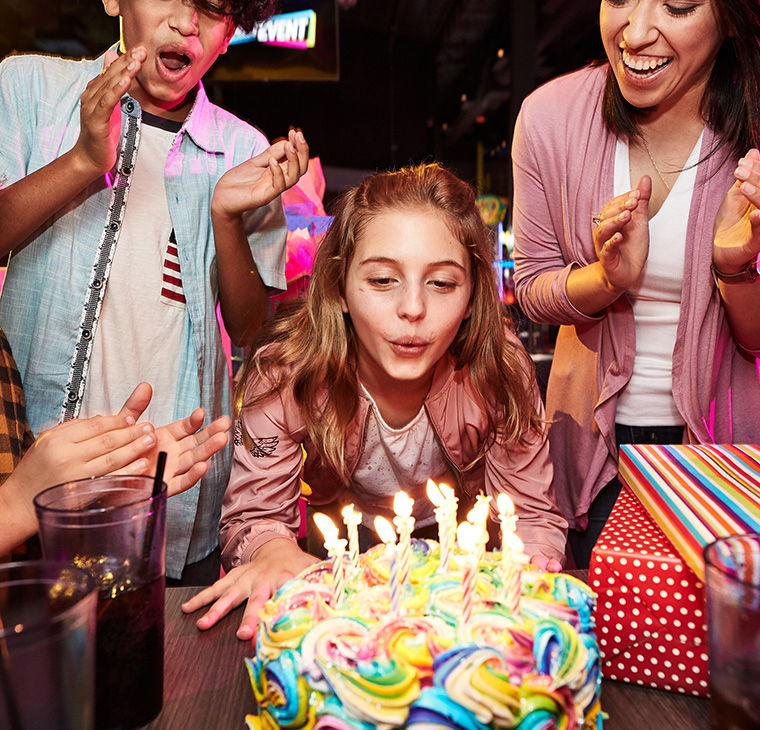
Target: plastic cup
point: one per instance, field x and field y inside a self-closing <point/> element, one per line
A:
<point x="47" y="646"/>
<point x="114" y="528"/>
<point x="732" y="571"/>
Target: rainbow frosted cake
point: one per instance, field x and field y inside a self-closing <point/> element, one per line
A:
<point x="360" y="667"/>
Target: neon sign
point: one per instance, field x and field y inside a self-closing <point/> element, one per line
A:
<point x="291" y="30"/>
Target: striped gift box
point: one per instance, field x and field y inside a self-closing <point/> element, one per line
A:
<point x="696" y="493"/>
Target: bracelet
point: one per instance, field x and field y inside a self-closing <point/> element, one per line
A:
<point x="748" y="274"/>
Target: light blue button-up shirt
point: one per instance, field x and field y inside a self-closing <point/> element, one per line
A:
<point x="54" y="285"/>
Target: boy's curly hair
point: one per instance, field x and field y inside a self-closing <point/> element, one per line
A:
<point x="246" y="13"/>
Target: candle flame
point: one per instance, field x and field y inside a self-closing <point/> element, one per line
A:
<point x="446" y="491"/>
<point x="467" y="536"/>
<point x="479" y="513"/>
<point x="350" y="515"/>
<point x="505" y="505"/>
<point x="385" y="530"/>
<point x="326" y="527"/>
<point x="434" y="493"/>
<point x="402" y="504"/>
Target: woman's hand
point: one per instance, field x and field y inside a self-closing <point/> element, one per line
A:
<point x="621" y="242"/>
<point x="274" y="563"/>
<point x="550" y="565"/>
<point x="621" y="239"/>
<point x="737" y="223"/>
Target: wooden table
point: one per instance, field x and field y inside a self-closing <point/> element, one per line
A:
<point x="206" y="684"/>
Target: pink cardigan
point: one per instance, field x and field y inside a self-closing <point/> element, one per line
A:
<point x="563" y="157"/>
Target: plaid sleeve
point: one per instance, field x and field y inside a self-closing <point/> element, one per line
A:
<point x="15" y="435"/>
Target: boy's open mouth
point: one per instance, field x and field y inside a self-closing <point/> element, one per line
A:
<point x="174" y="61"/>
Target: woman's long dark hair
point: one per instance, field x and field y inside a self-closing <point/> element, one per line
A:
<point x="731" y="102"/>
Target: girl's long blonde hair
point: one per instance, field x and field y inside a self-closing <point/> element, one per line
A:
<point x="310" y="344"/>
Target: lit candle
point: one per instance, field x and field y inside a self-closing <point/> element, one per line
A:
<point x="435" y="495"/>
<point x="506" y="508"/>
<point x="335" y="547"/>
<point x="402" y="506"/>
<point x="450" y="503"/>
<point x="468" y="538"/>
<point x="478" y="516"/>
<point x="352" y="519"/>
<point x="512" y="571"/>
<point x="387" y="534"/>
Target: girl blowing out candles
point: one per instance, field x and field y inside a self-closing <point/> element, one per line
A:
<point x="636" y="225"/>
<point x="398" y="367"/>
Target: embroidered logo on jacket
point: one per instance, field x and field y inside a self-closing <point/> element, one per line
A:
<point x="257" y="447"/>
<point x="263" y="446"/>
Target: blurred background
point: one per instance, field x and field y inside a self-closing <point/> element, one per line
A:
<point x="374" y="84"/>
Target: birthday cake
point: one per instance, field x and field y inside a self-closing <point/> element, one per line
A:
<point x="367" y="659"/>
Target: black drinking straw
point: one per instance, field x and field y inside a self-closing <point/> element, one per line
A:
<point x="158" y="481"/>
<point x="159" y="478"/>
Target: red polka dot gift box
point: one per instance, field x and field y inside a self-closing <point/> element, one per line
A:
<point x="650" y="613"/>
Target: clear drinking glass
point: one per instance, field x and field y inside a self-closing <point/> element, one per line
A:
<point x="732" y="571"/>
<point x="47" y="646"/>
<point x="114" y="528"/>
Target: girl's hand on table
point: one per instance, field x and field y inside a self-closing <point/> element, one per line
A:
<point x="737" y="223"/>
<point x="274" y="563"/>
<point x="621" y="238"/>
<point x="550" y="565"/>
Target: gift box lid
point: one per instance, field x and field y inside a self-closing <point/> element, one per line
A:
<point x="695" y="494"/>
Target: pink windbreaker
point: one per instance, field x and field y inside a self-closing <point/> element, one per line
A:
<point x="261" y="501"/>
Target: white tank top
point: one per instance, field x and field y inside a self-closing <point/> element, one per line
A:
<point x="647" y="399"/>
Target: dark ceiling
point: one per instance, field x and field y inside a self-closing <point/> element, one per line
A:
<point x="419" y="79"/>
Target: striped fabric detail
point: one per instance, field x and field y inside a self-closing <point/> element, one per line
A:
<point x="96" y="289"/>
<point x="696" y="494"/>
<point x="171" y="288"/>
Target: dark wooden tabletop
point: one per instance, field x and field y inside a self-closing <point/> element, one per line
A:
<point x="206" y="684"/>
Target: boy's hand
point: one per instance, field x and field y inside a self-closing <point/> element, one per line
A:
<point x="258" y="181"/>
<point x="188" y="447"/>
<point x="100" y="116"/>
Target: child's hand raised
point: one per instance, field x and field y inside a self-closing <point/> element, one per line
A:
<point x="258" y="181"/>
<point x="100" y="116"/>
<point x="188" y="447"/>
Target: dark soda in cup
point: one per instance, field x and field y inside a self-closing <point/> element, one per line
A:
<point x="130" y="641"/>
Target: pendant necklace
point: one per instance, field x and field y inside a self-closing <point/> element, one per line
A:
<point x="651" y="159"/>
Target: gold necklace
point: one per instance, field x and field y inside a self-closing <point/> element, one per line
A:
<point x="646" y="147"/>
